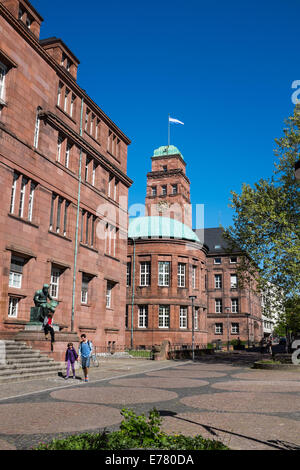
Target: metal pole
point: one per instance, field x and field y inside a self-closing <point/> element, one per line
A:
<point x="227" y="309"/>
<point x="77" y="224"/>
<point x="132" y="297"/>
<point x="193" y="332"/>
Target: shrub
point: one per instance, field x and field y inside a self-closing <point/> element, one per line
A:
<point x="136" y="432"/>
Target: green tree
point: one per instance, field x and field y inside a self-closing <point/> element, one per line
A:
<point x="266" y="221"/>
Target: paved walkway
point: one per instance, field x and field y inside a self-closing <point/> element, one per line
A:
<point x="217" y="398"/>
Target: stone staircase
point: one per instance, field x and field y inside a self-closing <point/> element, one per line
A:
<point x="19" y="362"/>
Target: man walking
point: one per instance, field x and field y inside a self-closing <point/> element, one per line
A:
<point x="85" y="352"/>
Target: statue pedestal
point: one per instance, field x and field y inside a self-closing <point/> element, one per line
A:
<point x="33" y="335"/>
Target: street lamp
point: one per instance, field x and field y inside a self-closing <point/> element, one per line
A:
<point x="248" y="315"/>
<point x="193" y="297"/>
<point x="227" y="310"/>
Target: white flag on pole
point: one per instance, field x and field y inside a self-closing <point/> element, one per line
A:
<point x="175" y="121"/>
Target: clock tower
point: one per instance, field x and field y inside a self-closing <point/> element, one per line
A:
<point x="168" y="187"/>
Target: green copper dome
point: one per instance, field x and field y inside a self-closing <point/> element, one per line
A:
<point x="160" y="227"/>
<point x="167" y="150"/>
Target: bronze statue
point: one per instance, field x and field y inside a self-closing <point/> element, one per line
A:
<point x="42" y="306"/>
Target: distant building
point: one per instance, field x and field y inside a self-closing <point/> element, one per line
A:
<point x="168" y="263"/>
<point x="48" y="125"/>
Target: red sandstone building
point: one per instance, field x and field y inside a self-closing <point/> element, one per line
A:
<point x="168" y="263"/>
<point x="54" y="141"/>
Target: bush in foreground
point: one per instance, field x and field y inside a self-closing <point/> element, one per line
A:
<point x="136" y="432"/>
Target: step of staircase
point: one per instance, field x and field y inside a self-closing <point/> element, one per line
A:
<point x="21" y="362"/>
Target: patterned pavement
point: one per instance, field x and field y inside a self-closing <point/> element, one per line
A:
<point x="246" y="409"/>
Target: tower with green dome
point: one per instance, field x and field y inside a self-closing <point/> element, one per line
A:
<point x="168" y="187"/>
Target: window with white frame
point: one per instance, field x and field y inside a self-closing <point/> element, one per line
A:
<point x="217" y="260"/>
<point x="60" y="87"/>
<point x="163" y="273"/>
<point x="59" y="147"/>
<point x="164" y="190"/>
<point x="181" y="274"/>
<point x="219" y="328"/>
<point x="143" y="316"/>
<point x="164" y="316"/>
<point x="30" y="200"/>
<point x="22" y="196"/>
<point x="72" y="105"/>
<point x="235" y="328"/>
<point x="194" y="278"/>
<point x="110" y="240"/>
<point x="196" y="318"/>
<point x="153" y="191"/>
<point x="3" y="71"/>
<point x="13" y="306"/>
<point x="67" y="92"/>
<point x="233" y="281"/>
<point x="109" y="289"/>
<point x="16" y="271"/>
<point x="218" y="281"/>
<point x="54" y="284"/>
<point x="37" y="128"/>
<point x="235" y="305"/>
<point x="145" y="273"/>
<point x="218" y="305"/>
<point x="67" y="155"/>
<point x="183" y="317"/>
<point x="233" y="259"/>
<point x="13" y="192"/>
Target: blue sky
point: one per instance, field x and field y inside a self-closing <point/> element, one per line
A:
<point x="223" y="68"/>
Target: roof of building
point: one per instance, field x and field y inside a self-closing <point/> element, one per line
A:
<point x="160" y="227"/>
<point x="214" y="240"/>
<point x="166" y="150"/>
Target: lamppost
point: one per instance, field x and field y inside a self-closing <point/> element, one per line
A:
<point x="248" y="315"/>
<point x="227" y="310"/>
<point x="193" y="297"/>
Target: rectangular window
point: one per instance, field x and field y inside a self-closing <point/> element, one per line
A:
<point x="66" y="218"/>
<point x="194" y="273"/>
<point x="60" y="87"/>
<point x="218" y="305"/>
<point x="164" y="190"/>
<point x="145" y="273"/>
<point x="72" y="105"/>
<point x="16" y="271"/>
<point x="153" y="190"/>
<point x="54" y="285"/>
<point x="58" y="214"/>
<point x="164" y="273"/>
<point x="36" y="129"/>
<point x="218" y="281"/>
<point x="94" y="173"/>
<point x="30" y="201"/>
<point x="13" y="192"/>
<point x="219" y="328"/>
<point x="59" y="147"/>
<point x="235" y="328"/>
<point x="183" y="317"/>
<point x="110" y="181"/>
<point x="22" y="196"/>
<point x="233" y="281"/>
<point x="86" y="120"/>
<point x="128" y="274"/>
<point x="3" y="70"/>
<point x="108" y="294"/>
<point x="66" y="99"/>
<point x="233" y="259"/>
<point x="143" y="316"/>
<point x="87" y="164"/>
<point x="92" y="124"/>
<point x="217" y="261"/>
<point x="67" y="158"/>
<point x="174" y="188"/>
<point x="196" y="318"/>
<point x="235" y="305"/>
<point x="84" y="288"/>
<point x="164" y="316"/>
<point x="13" y="307"/>
<point x="181" y="275"/>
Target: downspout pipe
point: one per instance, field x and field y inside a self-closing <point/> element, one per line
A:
<point x="132" y="296"/>
<point x="77" y="224"/>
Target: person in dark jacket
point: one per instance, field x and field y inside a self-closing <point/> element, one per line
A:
<point x="70" y="358"/>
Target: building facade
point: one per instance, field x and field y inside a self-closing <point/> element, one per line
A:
<point x="64" y="188"/>
<point x="168" y="265"/>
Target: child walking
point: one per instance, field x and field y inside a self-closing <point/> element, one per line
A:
<point x="71" y="357"/>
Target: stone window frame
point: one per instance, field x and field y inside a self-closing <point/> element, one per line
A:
<point x="145" y="274"/>
<point x="218" y="281"/>
<point x="218" y="305"/>
<point x="164" y="273"/>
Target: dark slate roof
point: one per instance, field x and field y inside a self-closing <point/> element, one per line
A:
<point x="213" y="239"/>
